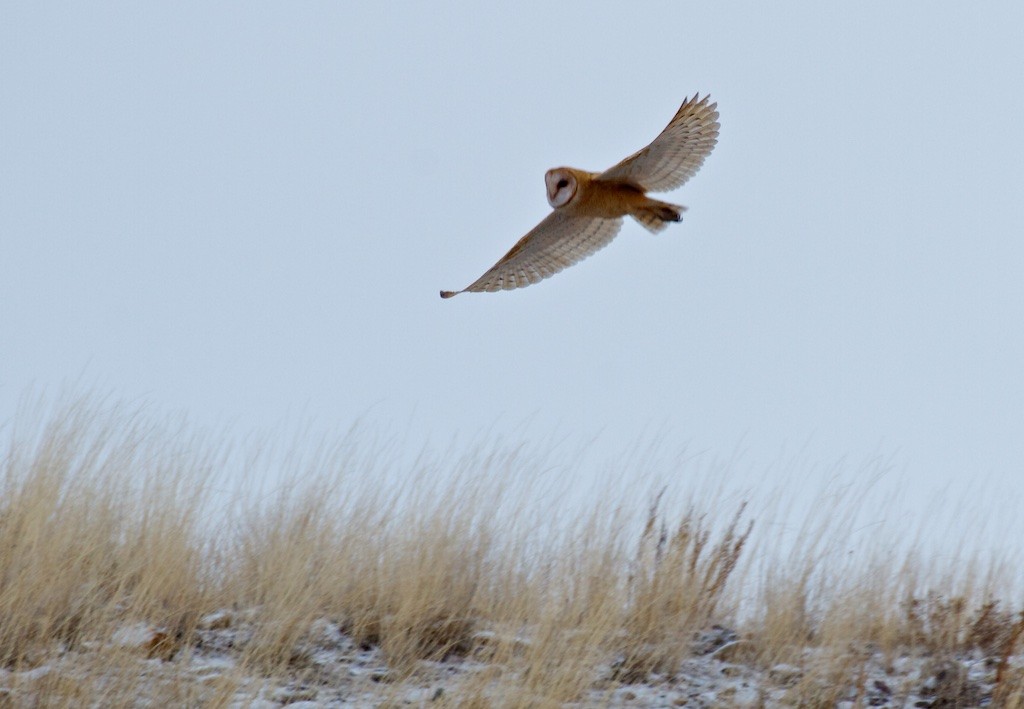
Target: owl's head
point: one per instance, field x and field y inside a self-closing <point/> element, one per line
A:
<point x="562" y="185"/>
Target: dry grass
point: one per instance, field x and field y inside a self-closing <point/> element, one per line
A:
<point x="96" y="525"/>
<point x="105" y="524"/>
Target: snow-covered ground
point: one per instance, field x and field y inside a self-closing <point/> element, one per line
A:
<point x="329" y="670"/>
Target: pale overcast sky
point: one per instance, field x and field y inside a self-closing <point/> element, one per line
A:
<point x="245" y="211"/>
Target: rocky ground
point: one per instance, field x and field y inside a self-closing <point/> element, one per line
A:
<point x="330" y="670"/>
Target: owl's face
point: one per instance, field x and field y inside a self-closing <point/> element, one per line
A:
<point x="562" y="186"/>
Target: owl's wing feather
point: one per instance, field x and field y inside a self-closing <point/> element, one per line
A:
<point x="559" y="241"/>
<point x="676" y="154"/>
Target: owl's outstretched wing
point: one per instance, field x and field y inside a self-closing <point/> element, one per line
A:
<point x="676" y="154"/>
<point x="558" y="242"/>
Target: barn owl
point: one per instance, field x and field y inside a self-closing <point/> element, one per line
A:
<point x="588" y="207"/>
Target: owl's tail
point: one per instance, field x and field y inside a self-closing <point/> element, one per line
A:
<point x="654" y="216"/>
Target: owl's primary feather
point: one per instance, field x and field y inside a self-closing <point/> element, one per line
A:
<point x="558" y="242"/>
<point x="589" y="207"/>
<point x="676" y="154"/>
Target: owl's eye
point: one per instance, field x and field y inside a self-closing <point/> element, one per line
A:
<point x="562" y="184"/>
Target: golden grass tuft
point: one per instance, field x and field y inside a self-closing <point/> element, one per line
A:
<point x="476" y="557"/>
<point x="674" y="588"/>
<point x="96" y="525"/>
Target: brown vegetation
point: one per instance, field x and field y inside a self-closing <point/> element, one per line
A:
<point x="106" y="525"/>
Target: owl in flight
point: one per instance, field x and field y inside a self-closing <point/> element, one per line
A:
<point x="589" y="206"/>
